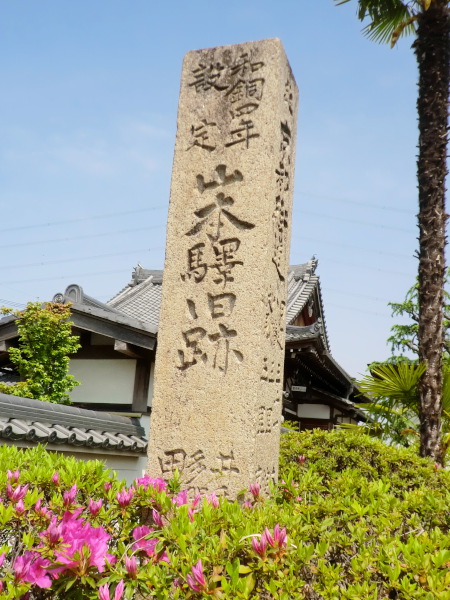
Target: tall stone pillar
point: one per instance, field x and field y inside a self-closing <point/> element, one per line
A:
<point x="219" y="364"/>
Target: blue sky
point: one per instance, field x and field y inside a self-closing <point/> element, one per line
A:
<point x="87" y="129"/>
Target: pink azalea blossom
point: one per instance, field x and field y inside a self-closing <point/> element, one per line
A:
<point x="31" y="567"/>
<point x="196" y="500"/>
<point x="131" y="566"/>
<point x="181" y="498"/>
<point x="1" y="587"/>
<point x="103" y="591"/>
<point x="259" y="546"/>
<point x="157" y="519"/>
<point x="147" y="545"/>
<point x="196" y="581"/>
<point x="94" y="507"/>
<point x="78" y="535"/>
<point x="2" y="559"/>
<point x="42" y="511"/>
<point x="247" y="504"/>
<point x="13" y="476"/>
<point x="124" y="497"/>
<point x="69" y="496"/>
<point x="255" y="489"/>
<point x="20" y="507"/>
<point x="191" y="514"/>
<point x="55" y="478"/>
<point x="280" y="536"/>
<point x="213" y="500"/>
<point x="107" y="485"/>
<point x="156" y="483"/>
<point x="16" y="494"/>
<point x="53" y="534"/>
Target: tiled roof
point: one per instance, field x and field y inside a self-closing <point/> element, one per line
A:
<point x="56" y="424"/>
<point x="141" y="298"/>
<point x="141" y="301"/>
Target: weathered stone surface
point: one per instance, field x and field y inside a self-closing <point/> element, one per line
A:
<point x="219" y="365"/>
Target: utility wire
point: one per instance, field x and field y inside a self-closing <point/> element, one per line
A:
<point x="76" y="259"/>
<point x="80" y="219"/>
<point x="80" y="237"/>
<point x="356" y="202"/>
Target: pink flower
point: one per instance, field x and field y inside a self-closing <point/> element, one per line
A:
<point x="156" y="483"/>
<point x="196" y="581"/>
<point x="69" y="496"/>
<point x="41" y="510"/>
<point x="196" y="500"/>
<point x="157" y="519"/>
<point x="247" y="504"/>
<point x="191" y="514"/>
<point x="82" y="545"/>
<point x="20" y="507"/>
<point x="2" y="559"/>
<point x="13" y="476"/>
<point x="124" y="497"/>
<point x="55" y="478"/>
<point x="255" y="489"/>
<point x="103" y="591"/>
<point x="107" y="485"/>
<point x="260" y="546"/>
<point x="53" y="533"/>
<point x="1" y="587"/>
<point x="301" y="460"/>
<point x="16" y="494"/>
<point x="31" y="567"/>
<point x="131" y="566"/>
<point x="181" y="498"/>
<point x="94" y="507"/>
<point x="147" y="545"/>
<point x="213" y="500"/>
<point x="280" y="536"/>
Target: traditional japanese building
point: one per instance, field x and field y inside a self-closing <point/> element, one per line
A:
<point x="119" y="338"/>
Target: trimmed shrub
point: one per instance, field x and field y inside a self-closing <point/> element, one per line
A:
<point x="351" y="518"/>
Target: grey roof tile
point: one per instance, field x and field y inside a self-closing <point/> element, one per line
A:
<point x="37" y="421"/>
<point x="141" y="298"/>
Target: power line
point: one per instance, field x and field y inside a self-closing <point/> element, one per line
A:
<point x="355" y="221"/>
<point x="356" y="202"/>
<point x="77" y="258"/>
<point x="80" y="219"/>
<point x="80" y="237"/>
<point x="354" y="247"/>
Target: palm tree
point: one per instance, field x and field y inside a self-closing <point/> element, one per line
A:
<point x="393" y="413"/>
<point x="429" y="21"/>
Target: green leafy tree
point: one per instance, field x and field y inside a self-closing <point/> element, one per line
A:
<point x="404" y="337"/>
<point x="429" y="22"/>
<point x="42" y="357"/>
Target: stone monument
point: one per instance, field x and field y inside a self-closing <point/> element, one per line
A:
<point x="219" y="365"/>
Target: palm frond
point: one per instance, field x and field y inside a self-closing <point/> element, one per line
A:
<point x="446" y="390"/>
<point x="397" y="382"/>
<point x="388" y="19"/>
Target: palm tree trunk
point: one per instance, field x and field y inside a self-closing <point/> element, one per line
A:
<point x="432" y="49"/>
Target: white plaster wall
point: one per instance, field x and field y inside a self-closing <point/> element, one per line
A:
<point x="150" y="384"/>
<point x="313" y="411"/>
<point x="103" y="380"/>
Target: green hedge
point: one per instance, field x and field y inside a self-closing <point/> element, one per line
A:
<point x="363" y="521"/>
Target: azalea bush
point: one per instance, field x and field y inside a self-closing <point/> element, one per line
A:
<point x="350" y="518"/>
